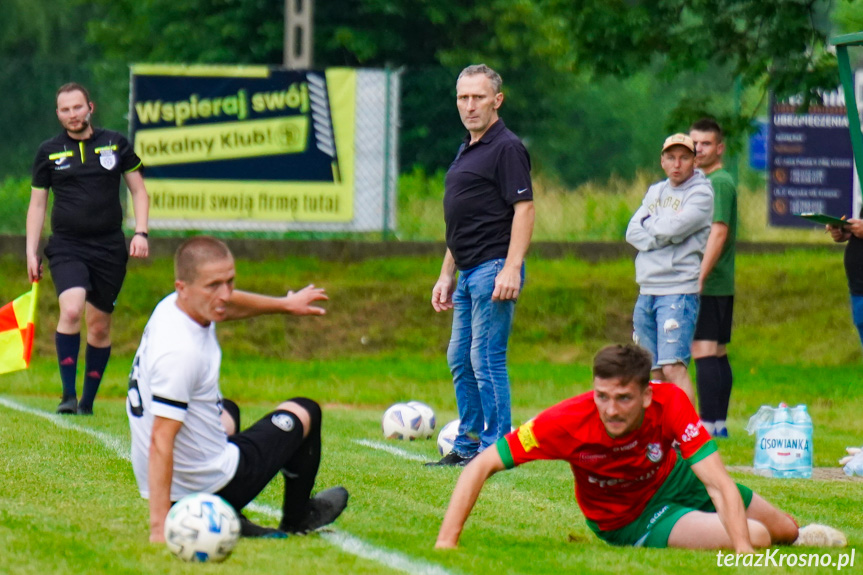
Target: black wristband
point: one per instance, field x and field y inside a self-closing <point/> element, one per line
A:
<point x="143" y="234"/>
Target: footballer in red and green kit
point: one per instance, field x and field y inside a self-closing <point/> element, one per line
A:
<point x="647" y="473"/>
<point x="615" y="477"/>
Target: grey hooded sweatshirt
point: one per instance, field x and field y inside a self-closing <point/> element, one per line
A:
<point x="670" y="232"/>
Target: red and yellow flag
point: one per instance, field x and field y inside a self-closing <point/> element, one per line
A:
<point x="16" y="331"/>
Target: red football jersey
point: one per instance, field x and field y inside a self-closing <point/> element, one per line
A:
<point x="614" y="477"/>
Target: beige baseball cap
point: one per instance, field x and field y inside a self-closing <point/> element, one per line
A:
<point x="679" y="140"/>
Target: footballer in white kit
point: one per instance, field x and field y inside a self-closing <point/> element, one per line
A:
<point x="186" y="438"/>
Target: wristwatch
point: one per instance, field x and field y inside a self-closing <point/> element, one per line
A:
<point x="142" y="234"/>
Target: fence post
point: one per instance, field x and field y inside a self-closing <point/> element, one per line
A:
<point x="847" y="78"/>
<point x="385" y="236"/>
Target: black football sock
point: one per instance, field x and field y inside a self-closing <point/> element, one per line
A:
<point x="707" y="378"/>
<point x="301" y="471"/>
<point x="95" y="360"/>
<point x="68" y="345"/>
<point x="726" y="381"/>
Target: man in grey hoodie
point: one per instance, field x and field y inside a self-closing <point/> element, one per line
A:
<point x="670" y="232"/>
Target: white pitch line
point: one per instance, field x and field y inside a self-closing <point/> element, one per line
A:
<point x="390" y="449"/>
<point x="344" y="541"/>
<point x="360" y="548"/>
<point x="120" y="448"/>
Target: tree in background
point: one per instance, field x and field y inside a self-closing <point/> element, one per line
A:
<point x="41" y="47"/>
<point x="591" y="84"/>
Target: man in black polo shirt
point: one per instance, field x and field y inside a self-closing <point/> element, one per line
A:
<point x="87" y="250"/>
<point x="488" y="209"/>
<point x="852" y="233"/>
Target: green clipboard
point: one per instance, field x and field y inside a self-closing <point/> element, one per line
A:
<point x="824" y="219"/>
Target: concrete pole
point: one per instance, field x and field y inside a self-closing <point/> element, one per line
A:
<point x="298" y="34"/>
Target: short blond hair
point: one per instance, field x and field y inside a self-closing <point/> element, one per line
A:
<point x="196" y="251"/>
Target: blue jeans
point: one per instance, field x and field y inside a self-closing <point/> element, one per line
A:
<point x="857" y="313"/>
<point x="477" y="358"/>
<point x="664" y="326"/>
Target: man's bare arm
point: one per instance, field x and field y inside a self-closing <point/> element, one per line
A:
<point x="464" y="496"/>
<point x="726" y="498"/>
<point x="35" y="221"/>
<point x="160" y="473"/>
<point x="507" y="284"/>
<point x="245" y="304"/>
<point x="140" y="246"/>
<point x="715" y="244"/>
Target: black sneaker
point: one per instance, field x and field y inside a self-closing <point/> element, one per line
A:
<point x="324" y="508"/>
<point x="68" y="406"/>
<point x="451" y="459"/>
<point x="84" y="410"/>
<point x="249" y="529"/>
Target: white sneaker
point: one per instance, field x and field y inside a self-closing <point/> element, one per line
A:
<point x="817" y="535"/>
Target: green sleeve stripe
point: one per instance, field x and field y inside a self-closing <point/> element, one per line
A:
<point x="138" y="167"/>
<point x="708" y="448"/>
<point x="505" y="453"/>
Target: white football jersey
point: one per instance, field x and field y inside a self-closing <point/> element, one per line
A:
<point x="176" y="375"/>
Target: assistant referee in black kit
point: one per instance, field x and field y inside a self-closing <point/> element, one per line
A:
<point x="87" y="250"/>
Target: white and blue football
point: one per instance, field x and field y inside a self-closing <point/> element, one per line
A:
<point x="428" y="424"/>
<point x="401" y="421"/>
<point x="202" y="527"/>
<point x="446" y="437"/>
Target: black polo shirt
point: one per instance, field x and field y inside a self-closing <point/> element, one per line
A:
<point x="84" y="176"/>
<point x="482" y="184"/>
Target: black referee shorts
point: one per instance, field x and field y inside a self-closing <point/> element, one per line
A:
<point x="714" y="319"/>
<point x="97" y="264"/>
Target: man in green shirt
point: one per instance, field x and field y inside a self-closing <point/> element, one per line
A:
<point x="713" y="329"/>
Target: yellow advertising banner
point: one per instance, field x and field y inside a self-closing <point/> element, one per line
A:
<point x="232" y="140"/>
<point x="261" y="201"/>
<point x="252" y="144"/>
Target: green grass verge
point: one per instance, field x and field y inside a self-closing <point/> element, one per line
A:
<point x="68" y="503"/>
<point x="790" y="308"/>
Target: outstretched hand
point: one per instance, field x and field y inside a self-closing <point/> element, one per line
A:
<point x="299" y="302"/>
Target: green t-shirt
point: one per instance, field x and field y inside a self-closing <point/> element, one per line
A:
<point x="720" y="281"/>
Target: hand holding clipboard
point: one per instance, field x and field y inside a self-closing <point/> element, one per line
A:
<point x="840" y="229"/>
<point x="825" y="219"/>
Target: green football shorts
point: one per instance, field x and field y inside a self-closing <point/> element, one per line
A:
<point x="681" y="493"/>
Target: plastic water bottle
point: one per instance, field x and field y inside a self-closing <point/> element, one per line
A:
<point x="803" y="421"/>
<point x="757" y="423"/>
<point x="781" y="419"/>
<point x="793" y="456"/>
<point x="763" y="417"/>
<point x="801" y="415"/>
<point x="783" y="442"/>
<point x="782" y="414"/>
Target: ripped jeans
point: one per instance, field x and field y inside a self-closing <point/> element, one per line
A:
<point x="664" y="326"/>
